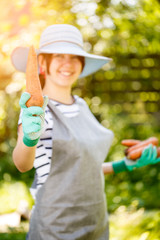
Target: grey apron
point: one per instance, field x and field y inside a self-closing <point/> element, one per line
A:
<point x="71" y="205"/>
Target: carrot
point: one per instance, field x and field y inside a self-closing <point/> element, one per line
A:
<point x="151" y="140"/>
<point x="158" y="152"/>
<point x="135" y="154"/>
<point x="32" y="80"/>
<point x="130" y="142"/>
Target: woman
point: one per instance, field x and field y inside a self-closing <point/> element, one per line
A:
<point x="68" y="149"/>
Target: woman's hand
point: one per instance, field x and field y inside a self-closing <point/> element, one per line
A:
<point x="149" y="156"/>
<point x="32" y="120"/>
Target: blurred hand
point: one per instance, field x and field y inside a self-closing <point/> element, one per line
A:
<point x="32" y="120"/>
<point x="149" y="156"/>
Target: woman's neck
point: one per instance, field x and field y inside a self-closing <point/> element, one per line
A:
<point x="62" y="95"/>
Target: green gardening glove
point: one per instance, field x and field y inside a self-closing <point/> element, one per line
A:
<point x="149" y="156"/>
<point x="32" y="120"/>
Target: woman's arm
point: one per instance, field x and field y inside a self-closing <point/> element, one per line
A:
<point x="148" y="157"/>
<point x="23" y="156"/>
<point x="28" y="137"/>
<point x="107" y="168"/>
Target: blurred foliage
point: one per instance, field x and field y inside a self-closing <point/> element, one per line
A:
<point x="16" y="236"/>
<point x="134" y="225"/>
<point x="124" y="95"/>
<point x="13" y="195"/>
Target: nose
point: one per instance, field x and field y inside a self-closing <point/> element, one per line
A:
<point x="67" y="59"/>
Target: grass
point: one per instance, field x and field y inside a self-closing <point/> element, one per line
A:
<point x="13" y="236"/>
<point x="18" y="233"/>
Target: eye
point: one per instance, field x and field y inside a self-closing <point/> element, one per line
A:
<point x="75" y="57"/>
<point x="57" y="55"/>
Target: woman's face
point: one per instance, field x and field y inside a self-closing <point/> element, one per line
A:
<point x="64" y="69"/>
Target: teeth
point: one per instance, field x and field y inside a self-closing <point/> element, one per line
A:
<point x="66" y="73"/>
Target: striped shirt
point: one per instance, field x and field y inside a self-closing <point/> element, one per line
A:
<point x="43" y="155"/>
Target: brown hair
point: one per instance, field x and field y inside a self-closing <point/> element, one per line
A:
<point x="48" y="58"/>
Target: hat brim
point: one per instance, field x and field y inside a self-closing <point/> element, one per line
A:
<point x="93" y="62"/>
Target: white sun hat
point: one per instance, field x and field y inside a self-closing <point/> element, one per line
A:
<point x="62" y="39"/>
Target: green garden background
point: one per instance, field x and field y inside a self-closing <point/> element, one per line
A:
<point x="124" y="96"/>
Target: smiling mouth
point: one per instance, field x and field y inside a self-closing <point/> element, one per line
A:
<point x="66" y="74"/>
